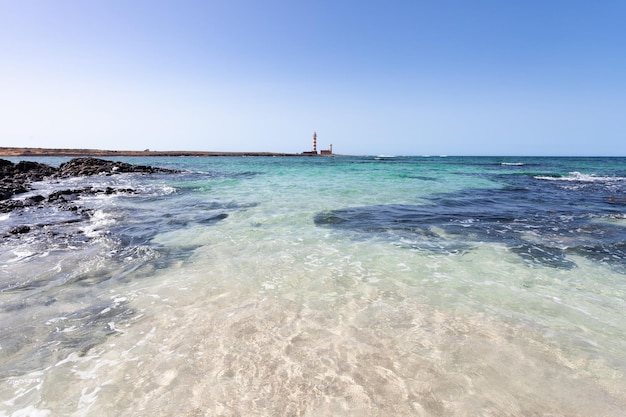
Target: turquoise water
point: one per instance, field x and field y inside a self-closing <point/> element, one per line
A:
<point x="364" y="286"/>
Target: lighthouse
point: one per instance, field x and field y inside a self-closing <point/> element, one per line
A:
<point x="328" y="151"/>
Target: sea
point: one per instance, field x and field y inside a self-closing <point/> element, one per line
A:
<point x="320" y="286"/>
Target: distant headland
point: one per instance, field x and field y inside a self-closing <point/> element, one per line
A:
<point x="30" y="152"/>
<point x="36" y="152"/>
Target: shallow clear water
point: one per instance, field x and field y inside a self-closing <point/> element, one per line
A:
<point x="322" y="286"/>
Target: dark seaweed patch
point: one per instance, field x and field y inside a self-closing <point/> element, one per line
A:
<point x="542" y="222"/>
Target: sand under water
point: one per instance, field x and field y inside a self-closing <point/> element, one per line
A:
<point x="354" y="286"/>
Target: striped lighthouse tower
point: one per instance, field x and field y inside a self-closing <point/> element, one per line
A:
<point x="314" y="142"/>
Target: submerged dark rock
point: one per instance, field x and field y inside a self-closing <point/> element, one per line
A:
<point x="18" y="230"/>
<point x="7" y="206"/>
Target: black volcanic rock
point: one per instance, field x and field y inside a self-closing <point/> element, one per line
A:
<point x="33" y="171"/>
<point x="16" y="178"/>
<point x="73" y="194"/>
<point x="9" y="205"/>
<point x="80" y="167"/>
<point x="18" y="230"/>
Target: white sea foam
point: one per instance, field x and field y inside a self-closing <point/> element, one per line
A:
<point x="98" y="224"/>
<point x="580" y="177"/>
<point x="20" y="254"/>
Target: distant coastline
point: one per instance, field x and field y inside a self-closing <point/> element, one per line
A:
<point x="36" y="152"/>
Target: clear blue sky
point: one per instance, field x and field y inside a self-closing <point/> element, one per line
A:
<point x="387" y="77"/>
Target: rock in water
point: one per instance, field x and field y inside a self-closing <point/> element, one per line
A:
<point x="79" y="167"/>
<point x="16" y="178"/>
<point x="18" y="230"/>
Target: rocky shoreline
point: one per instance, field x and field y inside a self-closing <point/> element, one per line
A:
<point x="17" y="178"/>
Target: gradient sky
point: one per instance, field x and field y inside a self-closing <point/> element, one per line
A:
<point x="387" y="77"/>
